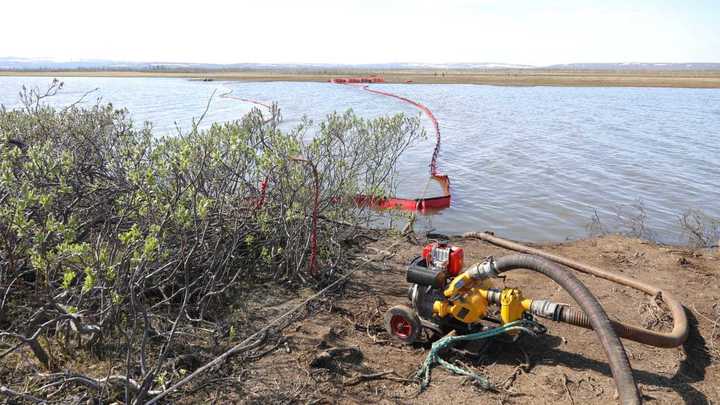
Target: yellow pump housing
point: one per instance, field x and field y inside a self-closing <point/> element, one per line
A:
<point x="468" y="299"/>
<point x="467" y="308"/>
<point x="512" y="305"/>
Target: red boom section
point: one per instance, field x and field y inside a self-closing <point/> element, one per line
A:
<point x="355" y="80"/>
<point x="417" y="204"/>
<point x="409" y="204"/>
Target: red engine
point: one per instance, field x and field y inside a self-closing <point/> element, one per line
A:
<point x="443" y="255"/>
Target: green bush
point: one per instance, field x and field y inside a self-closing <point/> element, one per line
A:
<point x="105" y="222"/>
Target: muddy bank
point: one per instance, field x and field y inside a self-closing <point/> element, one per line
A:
<point x="335" y="350"/>
<point x="565" y="366"/>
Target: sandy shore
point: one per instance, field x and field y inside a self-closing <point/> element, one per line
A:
<point x="682" y="79"/>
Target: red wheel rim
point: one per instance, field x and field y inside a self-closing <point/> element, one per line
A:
<point x="400" y="326"/>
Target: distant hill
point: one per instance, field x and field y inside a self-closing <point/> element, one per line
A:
<point x="636" y="66"/>
<point x="9" y="63"/>
<point x="47" y="64"/>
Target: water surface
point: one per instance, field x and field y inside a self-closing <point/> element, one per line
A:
<point x="531" y="163"/>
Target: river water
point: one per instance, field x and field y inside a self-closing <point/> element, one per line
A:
<point x="530" y="163"/>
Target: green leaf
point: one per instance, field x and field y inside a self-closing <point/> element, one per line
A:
<point x="68" y="278"/>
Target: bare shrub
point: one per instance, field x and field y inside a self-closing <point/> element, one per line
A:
<point x="108" y="233"/>
<point x="596" y="227"/>
<point x="701" y="229"/>
<point x="628" y="220"/>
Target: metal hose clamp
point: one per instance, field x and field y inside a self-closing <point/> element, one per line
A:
<point x="484" y="270"/>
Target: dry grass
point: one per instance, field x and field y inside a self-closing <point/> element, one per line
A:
<point x="510" y="77"/>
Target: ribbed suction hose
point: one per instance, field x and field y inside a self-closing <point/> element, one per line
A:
<point x="596" y="316"/>
<point x="674" y="338"/>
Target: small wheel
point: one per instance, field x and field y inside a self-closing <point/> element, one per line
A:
<point x="402" y="323"/>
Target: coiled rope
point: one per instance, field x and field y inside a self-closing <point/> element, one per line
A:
<point x="433" y="357"/>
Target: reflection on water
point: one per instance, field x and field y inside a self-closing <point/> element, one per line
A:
<point x="531" y="163"/>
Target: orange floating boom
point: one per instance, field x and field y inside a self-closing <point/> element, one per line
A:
<point x="414" y="204"/>
<point x="357" y="80"/>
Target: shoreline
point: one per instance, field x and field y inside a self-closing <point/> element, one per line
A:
<point x="353" y="318"/>
<point x="514" y="77"/>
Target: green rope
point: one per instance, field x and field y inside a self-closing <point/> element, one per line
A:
<point x="434" y="356"/>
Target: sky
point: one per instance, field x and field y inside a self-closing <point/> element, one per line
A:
<point x="369" y="31"/>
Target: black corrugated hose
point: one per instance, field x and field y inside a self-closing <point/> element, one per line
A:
<point x="617" y="358"/>
<point x="674" y="338"/>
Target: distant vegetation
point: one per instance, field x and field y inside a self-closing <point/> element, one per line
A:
<point x="90" y="64"/>
<point x="110" y="234"/>
<point x="691" y="75"/>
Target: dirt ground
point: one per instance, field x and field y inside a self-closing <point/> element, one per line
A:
<point x="565" y="366"/>
<point x="337" y="351"/>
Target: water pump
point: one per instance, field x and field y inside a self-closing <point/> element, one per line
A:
<point x="448" y="300"/>
<point x="445" y="298"/>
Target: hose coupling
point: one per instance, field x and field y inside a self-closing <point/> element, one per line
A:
<point x="493" y="295"/>
<point x="546" y="309"/>
<point x="484" y="270"/>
